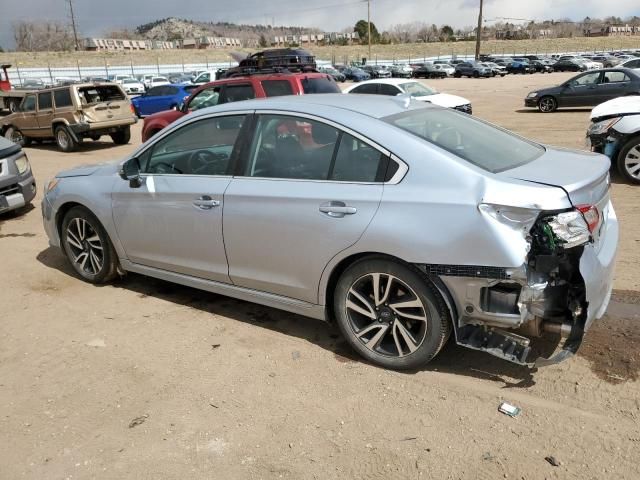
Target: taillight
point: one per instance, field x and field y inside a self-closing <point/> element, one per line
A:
<point x="133" y="110"/>
<point x="591" y="216"/>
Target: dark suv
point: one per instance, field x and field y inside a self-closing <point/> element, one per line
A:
<point x="472" y="69"/>
<point x="242" y="88"/>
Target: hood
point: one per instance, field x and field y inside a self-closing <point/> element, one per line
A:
<point x="444" y="100"/>
<point x="616" y="107"/>
<point x="584" y="176"/>
<point x="105" y="168"/>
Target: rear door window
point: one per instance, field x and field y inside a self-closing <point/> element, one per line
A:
<point x="44" y="101"/>
<point x="386" y="89"/>
<point x="615" y="77"/>
<point x="357" y="161"/>
<point x="237" y="93"/>
<point x="368" y="88"/>
<point x="324" y="84"/>
<point x="277" y="88"/>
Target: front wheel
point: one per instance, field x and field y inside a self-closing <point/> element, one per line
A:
<point x="629" y="161"/>
<point x="14" y="135"/>
<point x="87" y="246"/>
<point x="547" y="104"/>
<point x="391" y="314"/>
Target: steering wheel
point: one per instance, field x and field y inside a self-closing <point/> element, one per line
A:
<point x="201" y="160"/>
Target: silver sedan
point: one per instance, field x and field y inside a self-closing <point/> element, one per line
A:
<point x="400" y="221"/>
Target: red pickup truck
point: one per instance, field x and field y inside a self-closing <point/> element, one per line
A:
<point x="241" y="88"/>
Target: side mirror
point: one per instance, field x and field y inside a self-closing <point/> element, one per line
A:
<point x="184" y="108"/>
<point x="130" y="170"/>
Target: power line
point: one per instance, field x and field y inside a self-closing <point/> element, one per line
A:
<point x="73" y="24"/>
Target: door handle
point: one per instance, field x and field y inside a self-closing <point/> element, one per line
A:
<point x="205" y="202"/>
<point x="337" y="209"/>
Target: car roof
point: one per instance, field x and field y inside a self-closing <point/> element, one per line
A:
<point x="374" y="106"/>
<point x="387" y="81"/>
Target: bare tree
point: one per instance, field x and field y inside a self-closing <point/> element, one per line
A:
<point x="42" y="36"/>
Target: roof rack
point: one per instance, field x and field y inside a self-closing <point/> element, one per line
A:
<point x="282" y="60"/>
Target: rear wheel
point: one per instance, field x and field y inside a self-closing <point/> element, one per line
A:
<point x="121" y="137"/>
<point x="629" y="160"/>
<point x="547" y="104"/>
<point x="65" y="141"/>
<point x="87" y="246"/>
<point x="390" y="313"/>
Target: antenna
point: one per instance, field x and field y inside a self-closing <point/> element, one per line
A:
<point x="73" y="24"/>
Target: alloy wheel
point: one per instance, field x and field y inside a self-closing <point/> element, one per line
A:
<point x="547" y="104"/>
<point x="85" y="246"/>
<point x="386" y="315"/>
<point x="63" y="138"/>
<point x="16" y="136"/>
<point x="632" y="162"/>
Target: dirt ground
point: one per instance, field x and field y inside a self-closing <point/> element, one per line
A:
<point x="148" y="380"/>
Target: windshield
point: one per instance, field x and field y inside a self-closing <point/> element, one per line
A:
<point x="470" y="139"/>
<point x="416" y="89"/>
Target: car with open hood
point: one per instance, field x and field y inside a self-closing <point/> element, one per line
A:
<point x="400" y="221"/>
<point x="70" y="114"/>
<point x="586" y="90"/>
<point x="615" y="131"/>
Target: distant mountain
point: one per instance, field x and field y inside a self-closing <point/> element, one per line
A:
<point x="176" y="28"/>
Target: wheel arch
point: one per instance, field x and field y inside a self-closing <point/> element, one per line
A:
<point x="330" y="279"/>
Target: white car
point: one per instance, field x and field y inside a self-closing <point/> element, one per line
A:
<point x="119" y="78"/>
<point x="413" y="88"/>
<point x="132" y="86"/>
<point x="205" y="77"/>
<point x="157" y="82"/>
<point x="615" y="131"/>
<point x="445" y="67"/>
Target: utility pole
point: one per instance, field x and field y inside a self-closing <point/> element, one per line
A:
<point x="369" y="26"/>
<point x="479" y="32"/>
<point x="73" y="24"/>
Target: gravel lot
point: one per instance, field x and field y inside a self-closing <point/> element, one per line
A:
<point x="150" y="380"/>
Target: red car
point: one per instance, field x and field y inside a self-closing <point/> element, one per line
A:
<point x="242" y="88"/>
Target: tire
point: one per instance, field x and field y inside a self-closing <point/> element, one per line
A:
<point x="382" y="334"/>
<point x="121" y="137"/>
<point x="547" y="104"/>
<point x="65" y="141"/>
<point x="14" y="135"/>
<point x="87" y="246"/>
<point x="629" y="160"/>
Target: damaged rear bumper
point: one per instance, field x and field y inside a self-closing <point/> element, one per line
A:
<point x="497" y="310"/>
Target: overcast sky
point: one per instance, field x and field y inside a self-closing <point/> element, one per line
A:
<point x="96" y="16"/>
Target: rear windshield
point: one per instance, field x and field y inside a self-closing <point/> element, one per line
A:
<point x="479" y="143"/>
<point x="104" y="93"/>
<point x="320" y="85"/>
